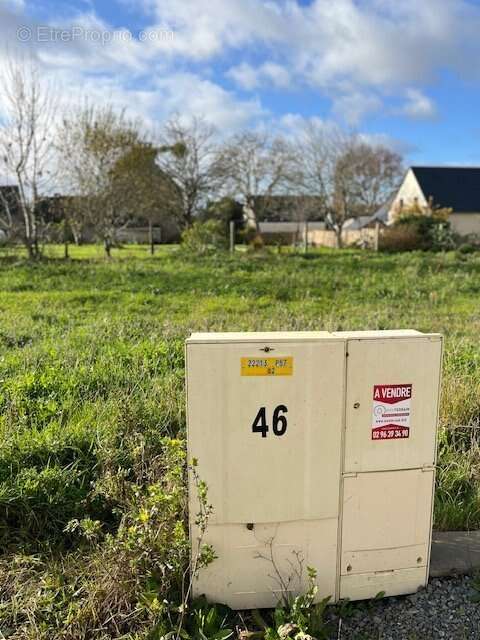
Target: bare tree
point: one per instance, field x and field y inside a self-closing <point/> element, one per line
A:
<point x="347" y="176"/>
<point x="93" y="140"/>
<point x="76" y="217"/>
<point x="254" y="167"/>
<point x="187" y="157"/>
<point x="26" y="142"/>
<point x="366" y="175"/>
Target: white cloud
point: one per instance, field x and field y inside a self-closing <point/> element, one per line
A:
<point x="250" y="78"/>
<point x="278" y="75"/>
<point x="378" y="47"/>
<point x="293" y="125"/>
<point x="189" y="94"/>
<point x="418" y="105"/>
<point x="245" y="76"/>
<point x="357" y="54"/>
<point x="353" y="106"/>
<point x="85" y="44"/>
<point x="348" y="35"/>
<point x="206" y="28"/>
<point x="107" y="66"/>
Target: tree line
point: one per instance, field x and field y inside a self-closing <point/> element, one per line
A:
<point x="113" y="169"/>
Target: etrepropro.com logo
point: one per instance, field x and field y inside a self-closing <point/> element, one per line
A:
<point x="46" y="33"/>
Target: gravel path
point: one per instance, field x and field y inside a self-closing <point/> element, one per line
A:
<point x="443" y="610"/>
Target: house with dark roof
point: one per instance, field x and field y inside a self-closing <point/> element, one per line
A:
<point x="457" y="188"/>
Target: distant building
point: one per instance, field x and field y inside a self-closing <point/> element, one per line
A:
<point x="283" y="208"/>
<point x="457" y="188"/>
<point x="165" y="231"/>
<point x="52" y="209"/>
<point x="10" y="213"/>
<point x="295" y="219"/>
<point x="359" y="222"/>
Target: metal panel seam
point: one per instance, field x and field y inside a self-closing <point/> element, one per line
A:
<point x="342" y="468"/>
<point x="434" y="472"/>
<point x="190" y="532"/>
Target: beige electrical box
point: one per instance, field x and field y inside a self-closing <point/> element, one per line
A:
<point x="318" y="450"/>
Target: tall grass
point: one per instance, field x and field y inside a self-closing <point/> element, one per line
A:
<point x="92" y="424"/>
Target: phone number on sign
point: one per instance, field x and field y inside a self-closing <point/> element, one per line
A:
<point x="390" y="434"/>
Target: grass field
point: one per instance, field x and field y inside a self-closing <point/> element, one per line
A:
<point x="92" y="408"/>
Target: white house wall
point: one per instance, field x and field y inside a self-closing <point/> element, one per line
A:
<point x="465" y="223"/>
<point x="408" y="191"/>
<point x="289" y="227"/>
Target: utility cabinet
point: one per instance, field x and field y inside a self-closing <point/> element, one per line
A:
<point x="318" y="450"/>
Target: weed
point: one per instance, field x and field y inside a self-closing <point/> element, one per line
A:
<point x="302" y="616"/>
<point x="475" y="597"/>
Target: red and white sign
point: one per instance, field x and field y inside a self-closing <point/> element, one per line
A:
<point x="391" y="411"/>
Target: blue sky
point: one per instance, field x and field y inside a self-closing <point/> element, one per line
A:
<point x="405" y="72"/>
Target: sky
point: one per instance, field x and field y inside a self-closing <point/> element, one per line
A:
<point x="402" y="72"/>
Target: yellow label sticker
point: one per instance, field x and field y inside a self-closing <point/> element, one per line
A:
<point x="266" y="366"/>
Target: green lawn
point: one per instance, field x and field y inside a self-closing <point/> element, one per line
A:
<point x="92" y="406"/>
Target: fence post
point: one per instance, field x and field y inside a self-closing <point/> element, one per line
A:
<point x="151" y="240"/>
<point x="305" y="237"/>
<point x="232" y="236"/>
<point x="377" y="234"/>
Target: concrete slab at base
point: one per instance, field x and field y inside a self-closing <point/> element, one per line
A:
<point x="454" y="552"/>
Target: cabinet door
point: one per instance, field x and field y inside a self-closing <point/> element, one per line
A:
<point x="386" y="523"/>
<point x="268" y="446"/>
<point x="391" y="403"/>
<point x="256" y="567"/>
<point x="362" y="586"/>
